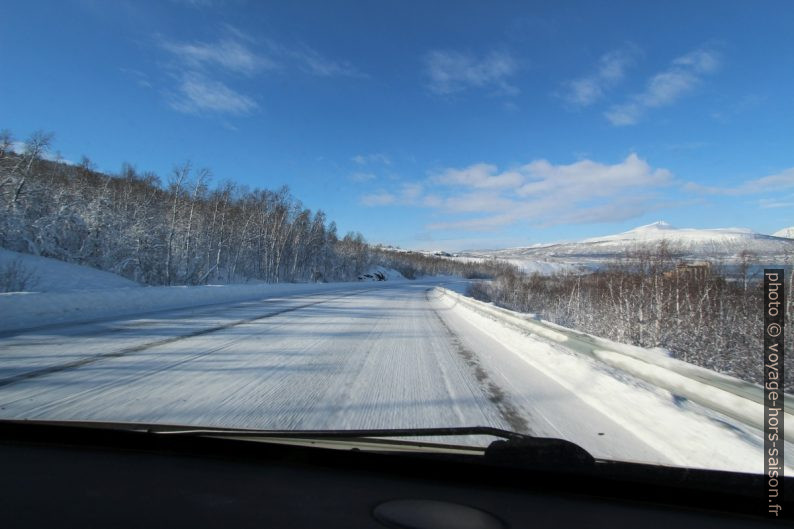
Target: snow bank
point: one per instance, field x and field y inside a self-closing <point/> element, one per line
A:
<point x="727" y="395"/>
<point x="52" y="275"/>
<point x="24" y="310"/>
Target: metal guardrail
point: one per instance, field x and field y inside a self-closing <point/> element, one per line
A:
<point x="730" y="396"/>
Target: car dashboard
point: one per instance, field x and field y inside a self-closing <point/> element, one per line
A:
<point x="73" y="477"/>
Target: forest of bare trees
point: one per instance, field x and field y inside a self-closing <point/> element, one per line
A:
<point x="415" y="264"/>
<point x="183" y="232"/>
<point x="648" y="299"/>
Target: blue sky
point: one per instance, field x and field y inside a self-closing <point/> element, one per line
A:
<point x="430" y="124"/>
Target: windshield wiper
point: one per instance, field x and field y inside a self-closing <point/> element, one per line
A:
<point x="334" y="434"/>
<point x="514" y="448"/>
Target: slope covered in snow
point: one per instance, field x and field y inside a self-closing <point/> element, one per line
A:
<point x="785" y="232"/>
<point x="51" y="275"/>
<point x="659" y="230"/>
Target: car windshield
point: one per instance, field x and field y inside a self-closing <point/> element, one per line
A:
<point x="566" y="220"/>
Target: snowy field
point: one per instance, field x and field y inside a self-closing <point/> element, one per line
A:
<point x="394" y="354"/>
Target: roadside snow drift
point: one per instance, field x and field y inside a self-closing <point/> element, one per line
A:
<point x="52" y="275"/>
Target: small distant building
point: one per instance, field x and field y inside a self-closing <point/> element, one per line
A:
<point x="691" y="270"/>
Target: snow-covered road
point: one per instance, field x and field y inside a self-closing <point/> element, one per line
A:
<point x="376" y="355"/>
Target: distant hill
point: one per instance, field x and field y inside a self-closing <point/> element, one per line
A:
<point x="723" y="243"/>
<point x="785" y="232"/>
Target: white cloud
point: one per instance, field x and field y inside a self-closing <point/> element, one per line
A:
<point x="378" y="199"/>
<point x="700" y="61"/>
<point x="610" y="71"/>
<point x="229" y="54"/>
<point x="782" y="180"/>
<point x="198" y="94"/>
<point x="243" y="54"/>
<point x="362" y="177"/>
<point x="586" y="178"/>
<point x="666" y="87"/>
<point x="476" y="202"/>
<point x="479" y="175"/>
<point x="538" y="192"/>
<point x="205" y="70"/>
<point x="766" y="184"/>
<point x="375" y="158"/>
<point x="409" y="194"/>
<point x="312" y="62"/>
<point x="452" y="71"/>
<point x="782" y="202"/>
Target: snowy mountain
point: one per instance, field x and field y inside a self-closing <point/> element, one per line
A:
<point x="722" y="243"/>
<point x="785" y="232"/>
<point x="701" y="242"/>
